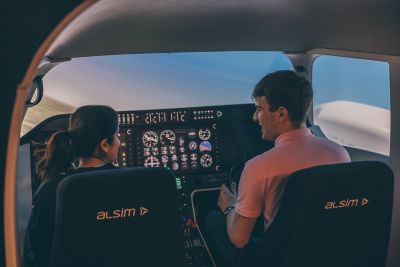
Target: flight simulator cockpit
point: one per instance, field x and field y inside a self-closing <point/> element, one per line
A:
<point x="199" y="145"/>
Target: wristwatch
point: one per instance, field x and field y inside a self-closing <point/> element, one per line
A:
<point x="227" y="210"/>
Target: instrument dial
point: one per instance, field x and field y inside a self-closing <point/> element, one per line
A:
<point x="150" y="139"/>
<point x="193" y="156"/>
<point x="205" y="146"/>
<point x="167" y="137"/>
<point x="204" y="133"/>
<point x="184" y="157"/>
<point x="151" y="162"/>
<point x="206" y="161"/>
<point x="193" y="145"/>
<point x="164" y="159"/>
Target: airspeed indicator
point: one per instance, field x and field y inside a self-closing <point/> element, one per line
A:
<point x="150" y="139"/>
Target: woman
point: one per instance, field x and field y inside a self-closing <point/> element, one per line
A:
<point x="92" y="139"/>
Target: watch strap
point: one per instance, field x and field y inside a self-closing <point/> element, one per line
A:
<point x="227" y="210"/>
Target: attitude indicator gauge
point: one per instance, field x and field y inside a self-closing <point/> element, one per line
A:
<point x="167" y="137"/>
<point x="150" y="139"/>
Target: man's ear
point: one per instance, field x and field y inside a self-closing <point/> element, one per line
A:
<point x="104" y="146"/>
<point x="282" y="113"/>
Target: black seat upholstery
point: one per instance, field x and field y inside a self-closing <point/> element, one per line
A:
<point x="333" y="215"/>
<point x="121" y="217"/>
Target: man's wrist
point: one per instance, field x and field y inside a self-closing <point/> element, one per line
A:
<point x="227" y="210"/>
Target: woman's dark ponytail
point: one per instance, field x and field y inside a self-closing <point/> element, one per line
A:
<point x="88" y="125"/>
<point x="57" y="157"/>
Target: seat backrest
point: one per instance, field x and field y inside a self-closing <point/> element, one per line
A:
<point x="120" y="217"/>
<point x="332" y="215"/>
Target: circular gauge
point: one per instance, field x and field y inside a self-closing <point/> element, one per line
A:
<point x="193" y="156"/>
<point x="204" y="133"/>
<point x="175" y="166"/>
<point x="146" y="152"/>
<point x="194" y="165"/>
<point x="167" y="137"/>
<point x="155" y="151"/>
<point x="206" y="161"/>
<point x="184" y="165"/>
<point x="172" y="150"/>
<point x="151" y="162"/>
<point x="150" y="139"/>
<point x="164" y="150"/>
<point x="205" y="146"/>
<point x="193" y="145"/>
<point x="184" y="157"/>
<point x="164" y="159"/>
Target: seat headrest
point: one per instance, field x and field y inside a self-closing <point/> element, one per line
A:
<point x="333" y="215"/>
<point x="121" y="217"/>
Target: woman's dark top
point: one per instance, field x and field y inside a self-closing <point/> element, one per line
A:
<point x="40" y="231"/>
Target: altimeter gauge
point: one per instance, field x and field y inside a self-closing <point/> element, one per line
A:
<point x="167" y="137"/>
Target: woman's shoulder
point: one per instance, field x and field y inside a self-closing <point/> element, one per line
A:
<point x="48" y="187"/>
<point x="106" y="166"/>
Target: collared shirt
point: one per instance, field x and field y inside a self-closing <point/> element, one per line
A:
<point x="263" y="179"/>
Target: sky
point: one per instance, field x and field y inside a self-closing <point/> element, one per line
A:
<point x="168" y="80"/>
<point x="147" y="81"/>
<point x="357" y="80"/>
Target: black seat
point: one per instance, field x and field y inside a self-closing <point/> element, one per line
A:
<point x="333" y="215"/>
<point x="121" y="217"/>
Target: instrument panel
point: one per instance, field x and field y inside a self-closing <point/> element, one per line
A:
<point x="181" y="149"/>
<point x="183" y="140"/>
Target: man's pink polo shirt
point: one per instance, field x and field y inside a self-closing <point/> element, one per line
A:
<point x="263" y="179"/>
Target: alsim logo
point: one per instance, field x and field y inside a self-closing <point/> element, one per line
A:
<point x="120" y="213"/>
<point x="346" y="203"/>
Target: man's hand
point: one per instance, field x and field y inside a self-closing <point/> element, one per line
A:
<point x="226" y="197"/>
<point x="239" y="228"/>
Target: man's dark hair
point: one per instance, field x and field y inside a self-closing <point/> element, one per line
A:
<point x="288" y="89"/>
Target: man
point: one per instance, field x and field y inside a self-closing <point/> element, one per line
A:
<point x="283" y="100"/>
